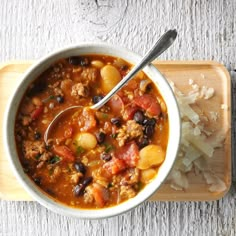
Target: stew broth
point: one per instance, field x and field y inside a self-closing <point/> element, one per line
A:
<point x="93" y="159"/>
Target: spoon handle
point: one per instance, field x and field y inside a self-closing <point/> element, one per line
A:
<point x="159" y="47"/>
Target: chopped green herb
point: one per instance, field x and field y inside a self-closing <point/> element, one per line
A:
<point x="51" y="171"/>
<point x="48" y="98"/>
<point x="109" y="185"/>
<point x="79" y="150"/>
<point x="37" y="156"/>
<point x="68" y="169"/>
<point x="108" y="147"/>
<point x="139" y="185"/>
<point x="114" y="135"/>
<point x="104" y="116"/>
<point x="26" y="170"/>
<point x="48" y="147"/>
<point x="54" y="159"/>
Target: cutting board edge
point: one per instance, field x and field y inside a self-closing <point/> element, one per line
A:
<point x="156" y="62"/>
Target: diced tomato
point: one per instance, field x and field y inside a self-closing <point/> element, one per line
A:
<point x="132" y="84"/>
<point x="129" y="111"/>
<point x="37" y="112"/>
<point x="68" y="132"/>
<point x="129" y="153"/>
<point x="100" y="194"/>
<point x="89" y="119"/>
<point x="149" y="104"/>
<point x="107" y="127"/>
<point x="64" y="152"/>
<point x="123" y="73"/>
<point x="116" y="104"/>
<point x="114" y="166"/>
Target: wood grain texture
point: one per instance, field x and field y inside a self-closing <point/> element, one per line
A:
<point x="207" y="30"/>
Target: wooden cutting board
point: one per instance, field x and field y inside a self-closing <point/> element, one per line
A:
<point x="211" y="74"/>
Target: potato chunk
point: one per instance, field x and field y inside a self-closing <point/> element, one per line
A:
<point x="110" y="77"/>
<point x="151" y="155"/>
<point x="85" y="140"/>
<point x="147" y="175"/>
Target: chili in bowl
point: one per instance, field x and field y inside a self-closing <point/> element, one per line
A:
<point x="95" y="164"/>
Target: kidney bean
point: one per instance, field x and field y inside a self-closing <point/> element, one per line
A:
<point x="79" y="61"/>
<point x="100" y="136"/>
<point x="149" y="130"/>
<point x="143" y="142"/>
<point x="116" y="121"/>
<point x="79" y="190"/>
<point x="87" y="181"/>
<point x="60" y="99"/>
<point x="97" y="99"/>
<point x="37" y="135"/>
<point x="148" y="121"/>
<point x="106" y="156"/>
<point x="37" y="180"/>
<point x="139" y="117"/>
<point x="80" y="167"/>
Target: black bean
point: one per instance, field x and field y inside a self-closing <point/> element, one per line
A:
<point x="26" y="170"/>
<point x="50" y="192"/>
<point x="97" y="99"/>
<point x="139" y="117"/>
<point x="37" y="180"/>
<point x="116" y="121"/>
<point x="148" y="88"/>
<point x="100" y="137"/>
<point x="79" y="190"/>
<point x="149" y="121"/>
<point x="79" y="61"/>
<point x="36" y="87"/>
<point x="37" y="135"/>
<point x="60" y="99"/>
<point x="143" y="142"/>
<point x="80" y="167"/>
<point x="124" y="67"/>
<point x="106" y="156"/>
<point x="87" y="181"/>
<point x="149" y="130"/>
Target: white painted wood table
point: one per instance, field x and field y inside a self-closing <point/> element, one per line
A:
<point x="207" y="30"/>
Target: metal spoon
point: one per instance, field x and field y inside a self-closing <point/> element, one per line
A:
<point x="159" y="47"/>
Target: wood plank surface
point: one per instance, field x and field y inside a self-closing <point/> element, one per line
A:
<point x="210" y="74"/>
<point x="206" y="31"/>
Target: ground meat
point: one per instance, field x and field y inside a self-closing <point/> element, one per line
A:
<point x="76" y="177"/>
<point x="131" y="177"/>
<point x="80" y="90"/>
<point x="128" y="132"/>
<point x="40" y="165"/>
<point x="127" y="192"/>
<point x="46" y="156"/>
<point x="89" y="74"/>
<point x="43" y="158"/>
<point x="27" y="107"/>
<point x="56" y="84"/>
<point x="33" y="148"/>
<point x="26" y="120"/>
<point x="66" y="85"/>
<point x="98" y="175"/>
<point x="58" y="92"/>
<point x="56" y="173"/>
<point x="88" y="195"/>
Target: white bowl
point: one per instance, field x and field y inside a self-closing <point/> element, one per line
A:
<point x="92" y="48"/>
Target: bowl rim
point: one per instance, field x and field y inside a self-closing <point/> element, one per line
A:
<point x="31" y="187"/>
